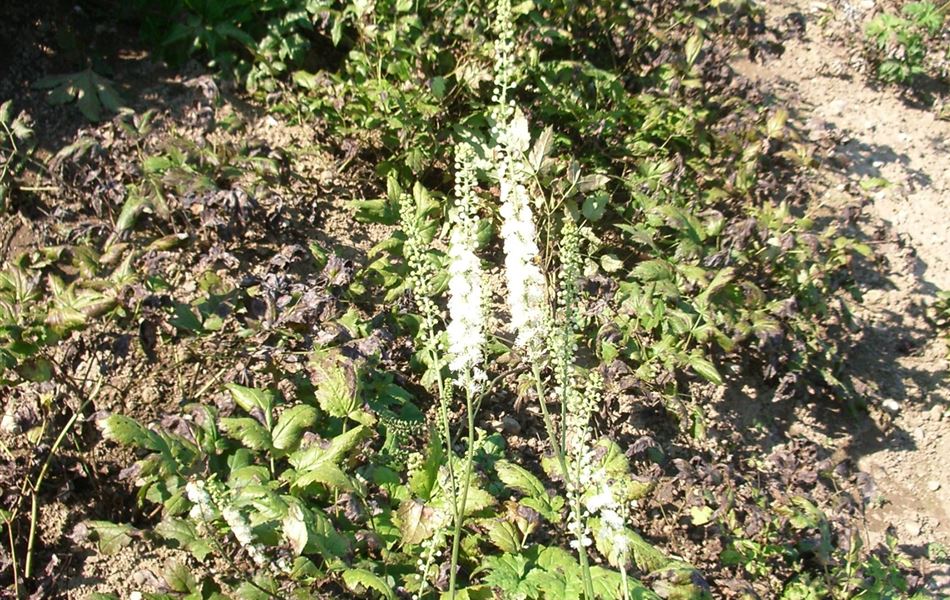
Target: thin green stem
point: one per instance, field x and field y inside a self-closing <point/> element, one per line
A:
<point x="573" y="496"/>
<point x="13" y="560"/>
<point x="469" y="458"/>
<point x="38" y="483"/>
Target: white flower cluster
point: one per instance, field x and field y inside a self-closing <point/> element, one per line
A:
<point x="431" y="551"/>
<point x="612" y="510"/>
<point x="210" y="501"/>
<point x="526" y="286"/>
<point x="466" y="327"/>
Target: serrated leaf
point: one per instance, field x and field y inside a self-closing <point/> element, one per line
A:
<point x="419" y="522"/>
<point x="128" y="431"/>
<point x="362" y="580"/>
<point x="541" y="149"/>
<point x="291" y="425"/>
<point x="313" y="456"/>
<point x="179" y="577"/>
<point x="504" y="535"/>
<point x="653" y="270"/>
<point x="422" y="481"/>
<point x="248" y="431"/>
<point x="477" y="500"/>
<point x="185" y="534"/>
<point x="252" y="400"/>
<point x="327" y="474"/>
<point x="337" y="386"/>
<point x="111" y="537"/>
<point x="519" y="479"/>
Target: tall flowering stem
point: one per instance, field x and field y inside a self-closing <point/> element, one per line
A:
<point x="421" y="274"/>
<point x="466" y="327"/>
<point x="525" y="281"/>
<point x="528" y="300"/>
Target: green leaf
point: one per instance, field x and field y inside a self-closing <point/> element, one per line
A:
<point x="700" y="515"/>
<point x="184" y="318"/>
<point x="504" y="535"/>
<point x="422" y="481"/>
<point x="362" y="580"/>
<point x="520" y="479"/>
<point x="541" y="149"/>
<point x="127" y="431"/>
<point x="248" y="431"/>
<point x="251" y="399"/>
<point x="595" y="205"/>
<point x="179" y="577"/>
<point x="295" y="529"/>
<point x="592" y="183"/>
<point x="185" y="534"/>
<point x="610" y="263"/>
<point x="705" y="368"/>
<point x="653" y="270"/>
<point x="477" y="500"/>
<point x="507" y="573"/>
<point x="693" y="46"/>
<point x="291" y="425"/>
<point x="418" y="522"/>
<point x="112" y="537"/>
<point x="314" y="456"/>
<point x="337" y="386"/>
<point x="327" y="474"/>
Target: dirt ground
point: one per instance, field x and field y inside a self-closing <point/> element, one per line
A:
<point x="900" y="363"/>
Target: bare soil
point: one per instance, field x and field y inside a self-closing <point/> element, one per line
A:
<point x="899" y="361"/>
<point x="893" y="457"/>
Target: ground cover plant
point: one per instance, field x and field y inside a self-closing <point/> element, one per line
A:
<point x="585" y="233"/>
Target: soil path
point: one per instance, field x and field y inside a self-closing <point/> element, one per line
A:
<point x="900" y="363"/>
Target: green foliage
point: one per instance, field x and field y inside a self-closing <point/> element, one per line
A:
<point x="256" y="42"/>
<point x="91" y="92"/>
<point x="16" y="147"/>
<point x="337" y="477"/>
<point x="901" y="43"/>
<point x="37" y="307"/>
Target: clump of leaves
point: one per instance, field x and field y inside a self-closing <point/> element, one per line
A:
<point x="16" y="147"/>
<point x="38" y="307"/>
<point x="252" y="41"/>
<point x="91" y="92"/>
<point x="900" y="45"/>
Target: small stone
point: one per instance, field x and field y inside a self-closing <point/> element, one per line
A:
<point x="933" y="486"/>
<point x="913" y="528"/>
<point x="891" y="406"/>
<point x="935" y="413"/>
<point x="510" y="426"/>
<point x="8" y="424"/>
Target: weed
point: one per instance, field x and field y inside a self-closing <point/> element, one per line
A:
<point x="901" y="44"/>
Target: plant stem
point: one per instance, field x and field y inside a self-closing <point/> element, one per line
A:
<point x="35" y="494"/>
<point x="469" y="457"/>
<point x="573" y="496"/>
<point x="13" y="561"/>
